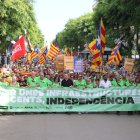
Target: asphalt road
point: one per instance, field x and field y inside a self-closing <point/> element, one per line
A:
<point x="70" y="127"/>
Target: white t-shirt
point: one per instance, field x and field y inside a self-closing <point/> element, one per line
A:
<point x="105" y="84"/>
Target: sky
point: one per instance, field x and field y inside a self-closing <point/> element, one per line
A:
<point x="52" y="15"/>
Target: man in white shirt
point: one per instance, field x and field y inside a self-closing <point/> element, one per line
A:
<point x="105" y="83"/>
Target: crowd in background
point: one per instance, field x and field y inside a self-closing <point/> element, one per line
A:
<point x="22" y="74"/>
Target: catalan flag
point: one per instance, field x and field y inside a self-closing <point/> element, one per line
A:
<point x="98" y="46"/>
<point x="42" y="57"/>
<point x="33" y="55"/>
<point x="92" y="46"/>
<point x="29" y="57"/>
<point x="97" y="58"/>
<point x="53" y="51"/>
<point x="115" y="56"/>
<point x="101" y="40"/>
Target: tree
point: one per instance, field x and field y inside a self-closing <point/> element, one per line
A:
<point x="77" y="32"/>
<point x="121" y="18"/>
<point x="15" y="17"/>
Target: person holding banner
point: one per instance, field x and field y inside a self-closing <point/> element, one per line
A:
<point x="80" y="83"/>
<point x="30" y="80"/>
<point x="48" y="81"/>
<point x="89" y="84"/>
<point x="14" y="82"/>
<point x="120" y="81"/>
<point x="56" y="82"/>
<point x="3" y="82"/>
<point x="97" y="82"/>
<point x="105" y="83"/>
<point x="43" y="81"/>
<point x="67" y="82"/>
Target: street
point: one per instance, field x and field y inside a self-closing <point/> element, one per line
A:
<point x="70" y="127"/>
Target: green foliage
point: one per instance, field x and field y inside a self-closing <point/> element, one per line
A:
<point x="121" y="19"/>
<point x="15" y="17"/>
<point x="77" y="32"/>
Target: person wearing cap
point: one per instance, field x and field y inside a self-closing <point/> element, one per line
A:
<point x="105" y="83"/>
<point x="80" y="83"/>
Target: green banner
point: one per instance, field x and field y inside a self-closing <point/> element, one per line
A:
<point x="69" y="99"/>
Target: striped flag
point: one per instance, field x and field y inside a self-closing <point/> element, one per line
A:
<point x="29" y="57"/>
<point x="33" y="55"/>
<point x="101" y="40"/>
<point x="53" y="51"/>
<point x="115" y="56"/>
<point x="92" y="46"/>
<point x="42" y="57"/>
<point x="98" y="47"/>
<point x="97" y="58"/>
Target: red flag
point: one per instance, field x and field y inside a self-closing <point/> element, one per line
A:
<point x="18" y="49"/>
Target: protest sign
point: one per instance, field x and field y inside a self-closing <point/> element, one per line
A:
<point x="78" y="66"/>
<point x="129" y="64"/>
<point x="60" y="62"/>
<point x="69" y="99"/>
<point x="68" y="63"/>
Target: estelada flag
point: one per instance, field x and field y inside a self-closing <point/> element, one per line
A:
<point x="18" y="49"/>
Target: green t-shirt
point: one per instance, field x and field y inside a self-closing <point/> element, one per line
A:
<point x="89" y="85"/>
<point x="56" y="84"/>
<point x="32" y="84"/>
<point x="15" y="85"/>
<point x="4" y="84"/>
<point x="138" y="85"/>
<point x="114" y="83"/>
<point x="80" y="84"/>
<point x="132" y="84"/>
<point x="37" y="79"/>
<point x="29" y="79"/>
<point x="43" y="83"/>
<point x="48" y="82"/>
<point x="121" y="83"/>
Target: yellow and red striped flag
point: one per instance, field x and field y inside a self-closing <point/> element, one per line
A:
<point x="33" y="55"/>
<point x="101" y="40"/>
<point x="91" y="47"/>
<point x="115" y="56"/>
<point x="41" y="59"/>
<point x="98" y="46"/>
<point x="42" y="56"/>
<point x="53" y="51"/>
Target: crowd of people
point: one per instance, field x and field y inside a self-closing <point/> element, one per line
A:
<point x="22" y="74"/>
